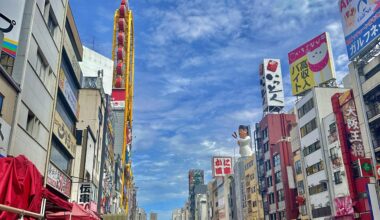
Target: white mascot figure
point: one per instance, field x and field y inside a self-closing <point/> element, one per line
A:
<point x="244" y="142"/>
<point x="318" y="61"/>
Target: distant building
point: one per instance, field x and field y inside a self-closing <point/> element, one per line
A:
<point x="254" y="207"/>
<point x="140" y="214"/>
<point x="219" y="198"/>
<point x="196" y="179"/>
<point x="153" y="216"/>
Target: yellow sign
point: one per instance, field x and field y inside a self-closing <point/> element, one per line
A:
<point x="63" y="133"/>
<point x="311" y="64"/>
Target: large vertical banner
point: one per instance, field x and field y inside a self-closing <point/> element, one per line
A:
<point x="360" y="20"/>
<point x="311" y="64"/>
<point x="11" y="14"/>
<point x="272" y="89"/>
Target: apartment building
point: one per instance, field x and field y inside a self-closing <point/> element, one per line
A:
<point x="254" y="208"/>
<point x="220" y="196"/>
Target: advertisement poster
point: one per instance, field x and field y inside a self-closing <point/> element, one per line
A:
<point x="311" y="64"/>
<point x="360" y="21"/>
<point x="11" y="14"/>
<point x="221" y="166"/>
<point x="271" y="83"/>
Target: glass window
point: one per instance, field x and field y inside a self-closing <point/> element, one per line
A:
<point x="308" y="127"/>
<point x="278" y="177"/>
<point x="51" y="24"/>
<point x="318" y="188"/>
<point x="312" y="148"/>
<point x="269" y="181"/>
<point x="337" y="177"/>
<point x="266" y="147"/>
<point x="1" y="102"/>
<point x="298" y="167"/>
<point x="7" y="62"/>
<point x="280" y="195"/>
<point x="60" y="157"/>
<point x="276" y="160"/>
<point x="65" y="114"/>
<point x="305" y="108"/>
<point x="314" y="168"/>
<point x="300" y="187"/>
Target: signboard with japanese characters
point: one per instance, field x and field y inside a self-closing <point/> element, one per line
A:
<point x="58" y="180"/>
<point x="361" y="24"/>
<point x="221" y="166"/>
<point x="85" y="193"/>
<point x="5" y="130"/>
<point x="311" y="64"/>
<point x="68" y="92"/>
<point x="272" y="89"/>
<point x="63" y="133"/>
<point x="350" y="117"/>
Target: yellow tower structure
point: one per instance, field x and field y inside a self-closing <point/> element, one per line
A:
<point x="122" y="92"/>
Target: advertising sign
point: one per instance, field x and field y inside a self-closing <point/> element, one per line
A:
<point x="360" y="21"/>
<point x="5" y="130"/>
<point x="311" y="64"/>
<point x="271" y="84"/>
<point x="11" y="14"/>
<point x="378" y="171"/>
<point x="58" y="180"/>
<point x="351" y="121"/>
<point x="221" y="166"/>
<point x="63" y="133"/>
<point x="366" y="169"/>
<point x="343" y="206"/>
<point x="67" y="91"/>
<point x="86" y="192"/>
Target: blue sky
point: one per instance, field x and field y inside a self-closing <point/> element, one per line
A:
<point x="196" y="76"/>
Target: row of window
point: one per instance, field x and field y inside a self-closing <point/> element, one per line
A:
<point x="305" y="108"/>
<point x="322" y="187"/>
<point x="311" y="148"/>
<point x="314" y="168"/>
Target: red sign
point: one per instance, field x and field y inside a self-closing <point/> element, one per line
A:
<point x="221" y="166"/>
<point x="352" y="125"/>
<point x="58" y="180"/>
<point x="378" y="171"/>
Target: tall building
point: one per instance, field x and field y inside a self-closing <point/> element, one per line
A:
<point x="122" y="100"/>
<point x="196" y="179"/>
<point x="254" y="206"/>
<point x="239" y="188"/>
<point x="153" y="216"/>
<point x="201" y="206"/>
<point x="219" y="197"/>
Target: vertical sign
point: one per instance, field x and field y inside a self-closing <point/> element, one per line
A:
<point x="311" y="64"/>
<point x="350" y="117"/>
<point x="360" y="21"/>
<point x="221" y="166"/>
<point x="84" y="195"/>
<point x="271" y="84"/>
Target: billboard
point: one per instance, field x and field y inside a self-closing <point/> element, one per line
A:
<point x="11" y="14"/>
<point x="272" y="90"/>
<point x="221" y="166"/>
<point x="311" y="64"/>
<point x="360" y="21"/>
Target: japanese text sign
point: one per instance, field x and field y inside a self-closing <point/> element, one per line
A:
<point x="221" y="166"/>
<point x="352" y="125"/>
<point x="311" y="64"/>
<point x="59" y="180"/>
<point x="361" y="24"/>
<point x="85" y="193"/>
<point x="271" y="83"/>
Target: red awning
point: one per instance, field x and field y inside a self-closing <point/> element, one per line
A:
<point x="78" y="212"/>
<point x="55" y="203"/>
<point x="20" y="186"/>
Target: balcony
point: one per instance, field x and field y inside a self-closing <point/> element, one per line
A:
<point x="373" y="111"/>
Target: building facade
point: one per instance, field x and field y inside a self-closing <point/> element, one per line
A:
<point x="275" y="161"/>
<point x="254" y="206"/>
<point x="196" y="179"/>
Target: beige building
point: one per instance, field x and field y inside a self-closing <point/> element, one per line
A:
<point x="219" y="198"/>
<point x="153" y="216"/>
<point x="253" y="209"/>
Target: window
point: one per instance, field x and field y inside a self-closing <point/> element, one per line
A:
<point x="60" y="157"/>
<point x="308" y="127"/>
<point x="281" y="215"/>
<point x="277" y="177"/>
<point x="280" y="195"/>
<point x="7" y="62"/>
<point x="312" y="148"/>
<point x="254" y="204"/>
<point x="305" y="108"/>
<point x="337" y="177"/>
<point x="32" y="124"/>
<point x="320" y="212"/>
<point x="276" y="160"/>
<point x="269" y="181"/>
<point x="266" y="147"/>
<point x="1" y="102"/>
<point x="332" y="127"/>
<point x="300" y="187"/>
<point x="65" y="114"/>
<point x="271" y="198"/>
<point x="265" y="133"/>
<point x="314" y="168"/>
<point x="51" y="24"/>
<point x="267" y="165"/>
<point x="297" y="165"/>
<point x="272" y="216"/>
<point x="318" y="188"/>
<point x="41" y="67"/>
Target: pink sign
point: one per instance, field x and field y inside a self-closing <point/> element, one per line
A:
<point x="58" y="180"/>
<point x="343" y="206"/>
<point x="221" y="166"/>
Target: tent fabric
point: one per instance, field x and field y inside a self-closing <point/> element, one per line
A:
<point x="20" y="186"/>
<point x="78" y="212"/>
<point x="57" y="204"/>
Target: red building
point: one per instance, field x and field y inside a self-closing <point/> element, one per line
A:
<point x="275" y="162"/>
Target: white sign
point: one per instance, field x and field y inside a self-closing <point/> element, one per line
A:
<point x="272" y="89"/>
<point x="85" y="193"/>
<point x="5" y="131"/>
<point x="11" y="13"/>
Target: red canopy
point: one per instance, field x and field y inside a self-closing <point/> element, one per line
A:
<point x="78" y="212"/>
<point x="20" y="186"/>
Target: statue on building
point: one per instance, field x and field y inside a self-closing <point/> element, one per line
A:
<point x="244" y="141"/>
